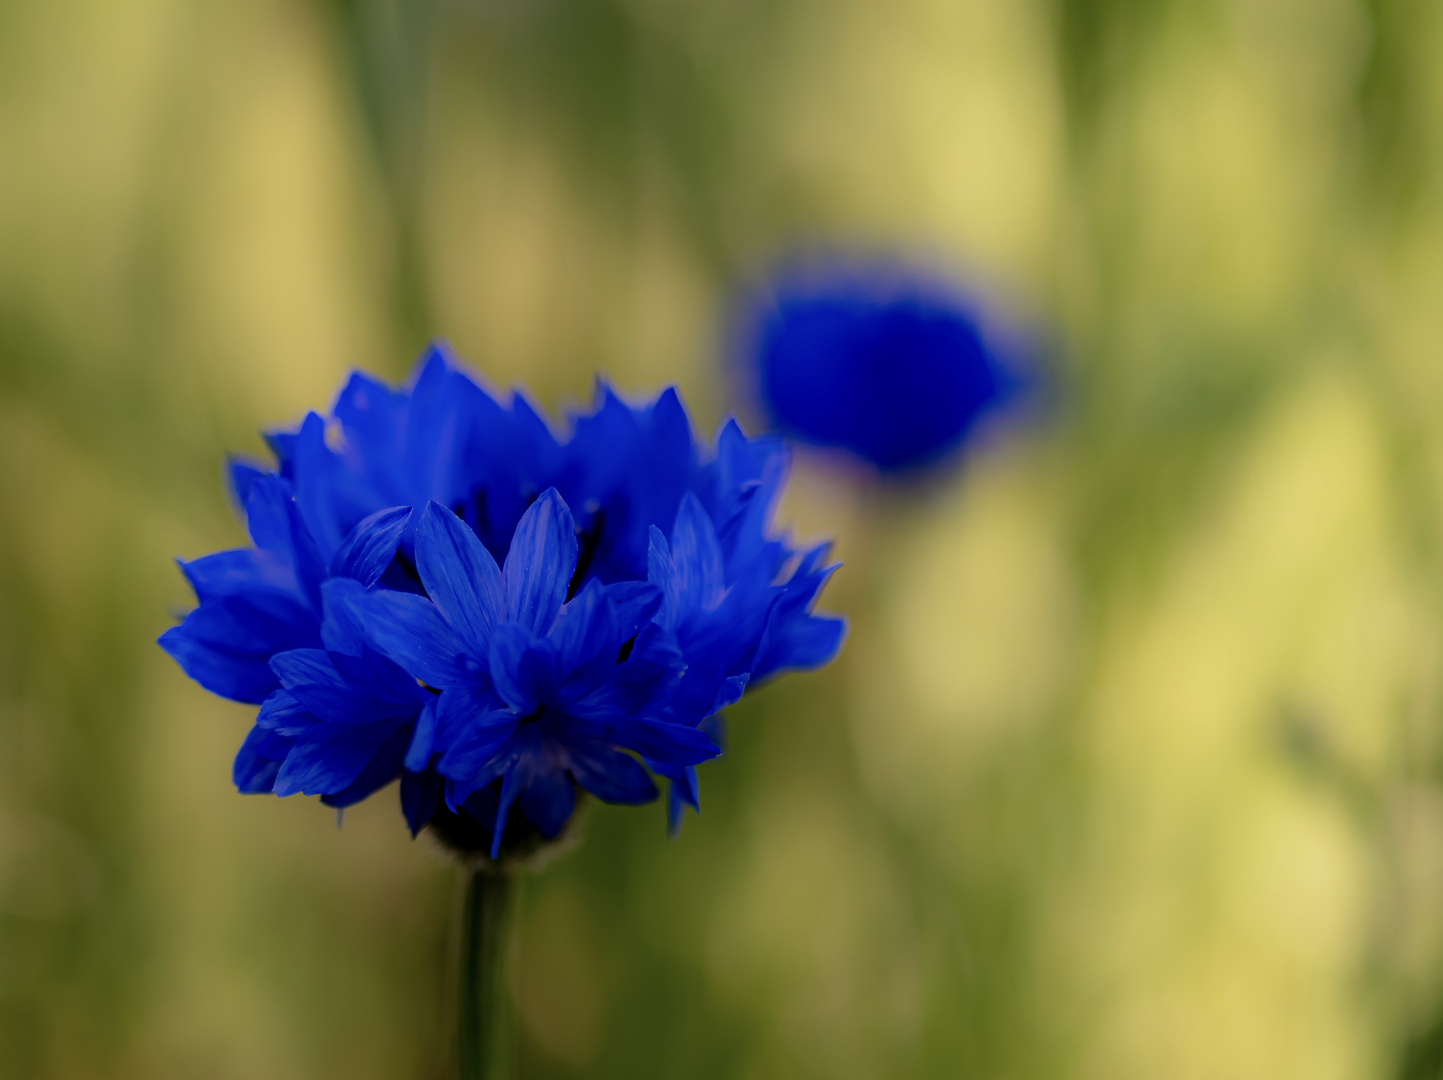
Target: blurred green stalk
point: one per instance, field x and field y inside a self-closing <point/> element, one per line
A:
<point x="484" y="1020"/>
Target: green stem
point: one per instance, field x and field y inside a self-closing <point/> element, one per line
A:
<point x="483" y="1030"/>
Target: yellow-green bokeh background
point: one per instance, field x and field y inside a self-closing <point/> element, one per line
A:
<point x="1131" y="766"/>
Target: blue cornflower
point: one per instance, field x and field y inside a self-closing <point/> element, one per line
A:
<point x="371" y="621"/>
<point x="886" y="364"/>
<point x="536" y="691"/>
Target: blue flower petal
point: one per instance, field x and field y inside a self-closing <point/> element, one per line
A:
<point x="439" y="422"/>
<point x="408" y="629"/>
<point x="525" y="669"/>
<point x="382" y="681"/>
<point x="283" y="714"/>
<point x="275" y="526"/>
<point x="304" y="666"/>
<point x="682" y="793"/>
<point x="511" y="785"/>
<point x="420" y="794"/>
<point x="238" y="573"/>
<point x="636" y="684"/>
<point x="460" y="576"/>
<point x="474" y="737"/>
<point x="226" y="646"/>
<point x="418" y="753"/>
<point x="266" y="517"/>
<point x="611" y="775"/>
<point x="697" y="577"/>
<point x="311" y="678"/>
<point x="258" y="761"/>
<point x="242" y="475"/>
<point x="369" y="548"/>
<point x="586" y="640"/>
<point x="464" y="706"/>
<point x="799" y="644"/>
<point x="384" y="767"/>
<point x="342" y="627"/>
<point x="675" y="744"/>
<point x="627" y="468"/>
<point x="283" y="445"/>
<point x="329" y="757"/>
<point x="540" y="563"/>
<point x="547" y="801"/>
<point x="330" y="498"/>
<point x="635" y="603"/>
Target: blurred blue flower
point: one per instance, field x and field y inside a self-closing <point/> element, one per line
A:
<point x="886" y="364"/>
<point x="371" y="621"/>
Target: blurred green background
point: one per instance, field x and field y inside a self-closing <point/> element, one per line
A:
<point x="1133" y="764"/>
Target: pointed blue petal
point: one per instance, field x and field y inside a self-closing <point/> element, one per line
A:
<point x="611" y="775"/>
<point x="380" y="678"/>
<point x="673" y="812"/>
<point x="254" y="771"/>
<point x="329" y="757"/>
<point x="715" y="729"/>
<point x="418" y="754"/>
<point x="525" y="668"/>
<point x="474" y="747"/>
<point x="495" y="762"/>
<point x="342" y="630"/>
<point x="369" y="548"/>
<point x="730" y="693"/>
<point x="345" y="689"/>
<point x="283" y="446"/>
<point x="697" y="576"/>
<point x="540" y="563"/>
<point x="283" y="714"/>
<point x="682" y="792"/>
<point x="266" y="516"/>
<point x="240" y="572"/>
<point x="658" y="558"/>
<point x="673" y="744"/>
<point x="510" y="788"/>
<point x="198" y="645"/>
<point x="460" y="576"/>
<point x="306" y="557"/>
<point x="548" y="801"/>
<point x="686" y="789"/>
<point x="384" y="767"/>
<point x="420" y="793"/>
<point x="301" y="666"/>
<point x="460" y="707"/>
<point x="799" y="644"/>
<point x="635" y="603"/>
<point x="586" y="639"/>
<point x="408" y="629"/>
<point x="635" y="686"/>
<point x="242" y="475"/>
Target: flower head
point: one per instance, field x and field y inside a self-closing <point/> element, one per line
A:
<point x="536" y="691"/>
<point x="885" y="364"/>
<point x="423" y="601"/>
